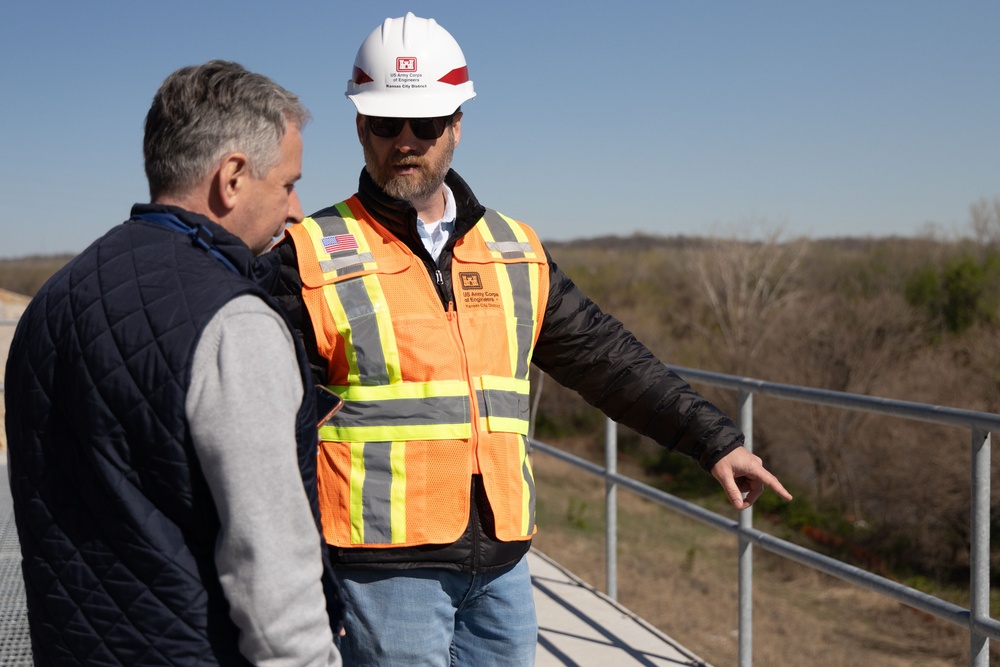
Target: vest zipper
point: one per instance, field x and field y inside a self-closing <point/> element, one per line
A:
<point x="474" y="518"/>
<point x="439" y="284"/>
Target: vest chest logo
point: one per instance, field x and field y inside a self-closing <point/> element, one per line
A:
<point x="471" y="281"/>
<point x="474" y="294"/>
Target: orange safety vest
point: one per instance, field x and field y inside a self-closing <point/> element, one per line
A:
<point x="431" y="395"/>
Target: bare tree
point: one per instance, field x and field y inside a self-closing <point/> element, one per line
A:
<point x="986" y="221"/>
<point x="746" y="283"/>
<point x="833" y="341"/>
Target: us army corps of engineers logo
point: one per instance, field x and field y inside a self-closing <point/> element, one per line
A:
<point x="473" y="293"/>
<point x="406" y="75"/>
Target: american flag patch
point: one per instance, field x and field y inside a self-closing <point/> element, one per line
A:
<point x="338" y="242"/>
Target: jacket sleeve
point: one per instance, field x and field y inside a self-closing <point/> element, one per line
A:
<point x="589" y="351"/>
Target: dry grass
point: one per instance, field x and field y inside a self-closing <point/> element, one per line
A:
<point x="681" y="576"/>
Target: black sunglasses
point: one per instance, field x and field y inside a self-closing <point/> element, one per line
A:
<point x="423" y="128"/>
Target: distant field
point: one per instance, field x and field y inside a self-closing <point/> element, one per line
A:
<point x="25" y="275"/>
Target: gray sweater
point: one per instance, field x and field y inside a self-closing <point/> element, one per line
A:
<point x="245" y="392"/>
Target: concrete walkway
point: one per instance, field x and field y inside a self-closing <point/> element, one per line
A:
<point x="577" y="624"/>
<point x="15" y="645"/>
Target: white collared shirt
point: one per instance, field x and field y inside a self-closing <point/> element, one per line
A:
<point x="435" y="234"/>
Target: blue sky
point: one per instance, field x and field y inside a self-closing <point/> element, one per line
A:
<point x="847" y="118"/>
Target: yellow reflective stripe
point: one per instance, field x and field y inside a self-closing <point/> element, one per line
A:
<point x="507" y="425"/>
<point x="436" y="410"/>
<point x="343" y="327"/>
<point x="387" y="334"/>
<point x="407" y="432"/>
<point x="315" y="236"/>
<point x="519" y="233"/>
<point x="398" y="493"/>
<point x="514" y="245"/>
<point x="378" y="500"/>
<point x="386" y="355"/>
<point x="360" y="260"/>
<point x="500" y="400"/>
<point x="403" y="390"/>
<point x="534" y="275"/>
<point x="519" y="347"/>
<point x="357" y="304"/>
<point x="515" y="385"/>
<point x="357" y="492"/>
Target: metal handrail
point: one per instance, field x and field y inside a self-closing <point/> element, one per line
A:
<point x="976" y="619"/>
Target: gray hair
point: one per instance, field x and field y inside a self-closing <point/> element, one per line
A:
<point x="203" y="112"/>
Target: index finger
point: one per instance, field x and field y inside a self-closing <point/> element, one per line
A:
<point x="773" y="482"/>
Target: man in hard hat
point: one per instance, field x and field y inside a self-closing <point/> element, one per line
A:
<point x="160" y="413"/>
<point x="424" y="309"/>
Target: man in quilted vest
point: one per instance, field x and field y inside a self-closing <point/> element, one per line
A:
<point x="424" y="310"/>
<point x="161" y="420"/>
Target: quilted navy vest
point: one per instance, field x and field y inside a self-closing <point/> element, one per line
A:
<point x="116" y="522"/>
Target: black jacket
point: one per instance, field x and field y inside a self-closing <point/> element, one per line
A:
<point x="115" y="519"/>
<point x="579" y="346"/>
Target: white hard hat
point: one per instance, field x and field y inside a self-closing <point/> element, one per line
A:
<point x="409" y="67"/>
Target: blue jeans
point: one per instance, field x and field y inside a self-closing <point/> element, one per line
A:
<point x="438" y="617"/>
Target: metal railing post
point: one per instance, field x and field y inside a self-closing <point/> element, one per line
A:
<point x="975" y="619"/>
<point x="979" y="549"/>
<point x="611" y="506"/>
<point x="745" y="545"/>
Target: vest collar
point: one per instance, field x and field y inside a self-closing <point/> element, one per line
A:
<point x="227" y="243"/>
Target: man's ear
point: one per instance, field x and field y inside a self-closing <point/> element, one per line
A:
<point x="456" y="125"/>
<point x="231" y="179"/>
<point x="359" y="120"/>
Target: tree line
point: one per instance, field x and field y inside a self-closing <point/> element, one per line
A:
<point x="915" y="318"/>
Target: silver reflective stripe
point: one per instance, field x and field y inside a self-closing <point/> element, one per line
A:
<point x="530" y="481"/>
<point x="332" y="224"/>
<point x="510" y="248"/>
<point x="506" y="243"/>
<point x="435" y="410"/>
<point x="364" y="331"/>
<point x="500" y="403"/>
<point x="377" y="492"/>
<point x="504" y="240"/>
<point x="520" y="282"/>
<point x="346" y="264"/>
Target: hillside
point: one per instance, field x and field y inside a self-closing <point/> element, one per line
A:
<point x="912" y="319"/>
